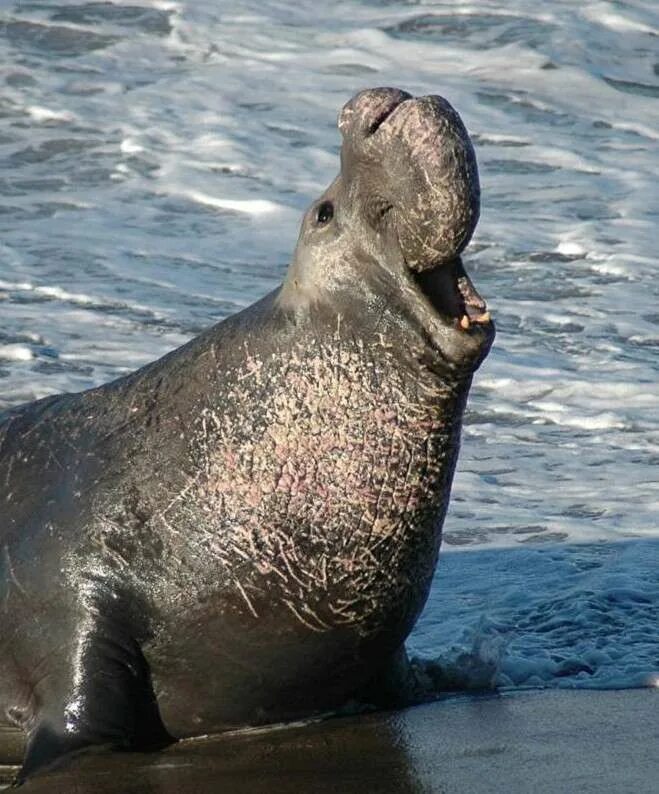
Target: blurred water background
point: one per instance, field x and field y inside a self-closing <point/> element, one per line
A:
<point x="156" y="157"/>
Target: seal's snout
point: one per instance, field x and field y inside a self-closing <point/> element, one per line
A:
<point x="413" y="157"/>
<point x="366" y="111"/>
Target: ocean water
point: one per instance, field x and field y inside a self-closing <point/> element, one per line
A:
<point x="156" y="157"/>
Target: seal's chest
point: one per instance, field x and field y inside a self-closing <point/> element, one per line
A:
<point x="313" y="438"/>
<point x="325" y="483"/>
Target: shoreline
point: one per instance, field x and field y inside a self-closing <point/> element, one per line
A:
<point x="540" y="741"/>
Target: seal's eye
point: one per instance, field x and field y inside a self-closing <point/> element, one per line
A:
<point x="324" y="213"/>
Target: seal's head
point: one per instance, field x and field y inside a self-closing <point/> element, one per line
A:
<point x="392" y="225"/>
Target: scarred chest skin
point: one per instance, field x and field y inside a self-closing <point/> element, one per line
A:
<point x="327" y="489"/>
<point x="336" y="493"/>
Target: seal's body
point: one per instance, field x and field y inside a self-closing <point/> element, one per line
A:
<point x="245" y="531"/>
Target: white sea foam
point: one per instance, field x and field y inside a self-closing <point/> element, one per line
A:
<point x="43" y="114"/>
<point x="545" y="617"/>
<point x="249" y="206"/>
<point x="129" y="146"/>
<point x="62" y="294"/>
<point x="16" y="353"/>
<point x="601" y="14"/>
<point x="15" y="285"/>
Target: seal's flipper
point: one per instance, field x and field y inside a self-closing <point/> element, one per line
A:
<point x="395" y="685"/>
<point x="45" y="747"/>
<point x="104" y="698"/>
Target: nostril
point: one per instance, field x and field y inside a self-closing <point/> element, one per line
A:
<point x="365" y="112"/>
<point x="382" y="117"/>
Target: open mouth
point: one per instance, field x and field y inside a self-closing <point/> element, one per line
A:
<point x="446" y="308"/>
<point x="450" y="292"/>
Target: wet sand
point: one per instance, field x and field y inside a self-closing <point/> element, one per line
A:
<point x="560" y="741"/>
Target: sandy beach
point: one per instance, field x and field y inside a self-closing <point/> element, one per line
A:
<point x="534" y="741"/>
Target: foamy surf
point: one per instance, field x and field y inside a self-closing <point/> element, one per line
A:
<point x="16" y="353"/>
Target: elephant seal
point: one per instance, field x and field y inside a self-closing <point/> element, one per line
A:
<point x="245" y="531"/>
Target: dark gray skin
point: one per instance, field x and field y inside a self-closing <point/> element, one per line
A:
<point x="245" y="531"/>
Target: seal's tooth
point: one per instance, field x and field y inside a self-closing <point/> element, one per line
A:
<point x="464" y="322"/>
<point x="482" y="318"/>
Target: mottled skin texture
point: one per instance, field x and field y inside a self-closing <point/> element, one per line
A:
<point x="245" y="531"/>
